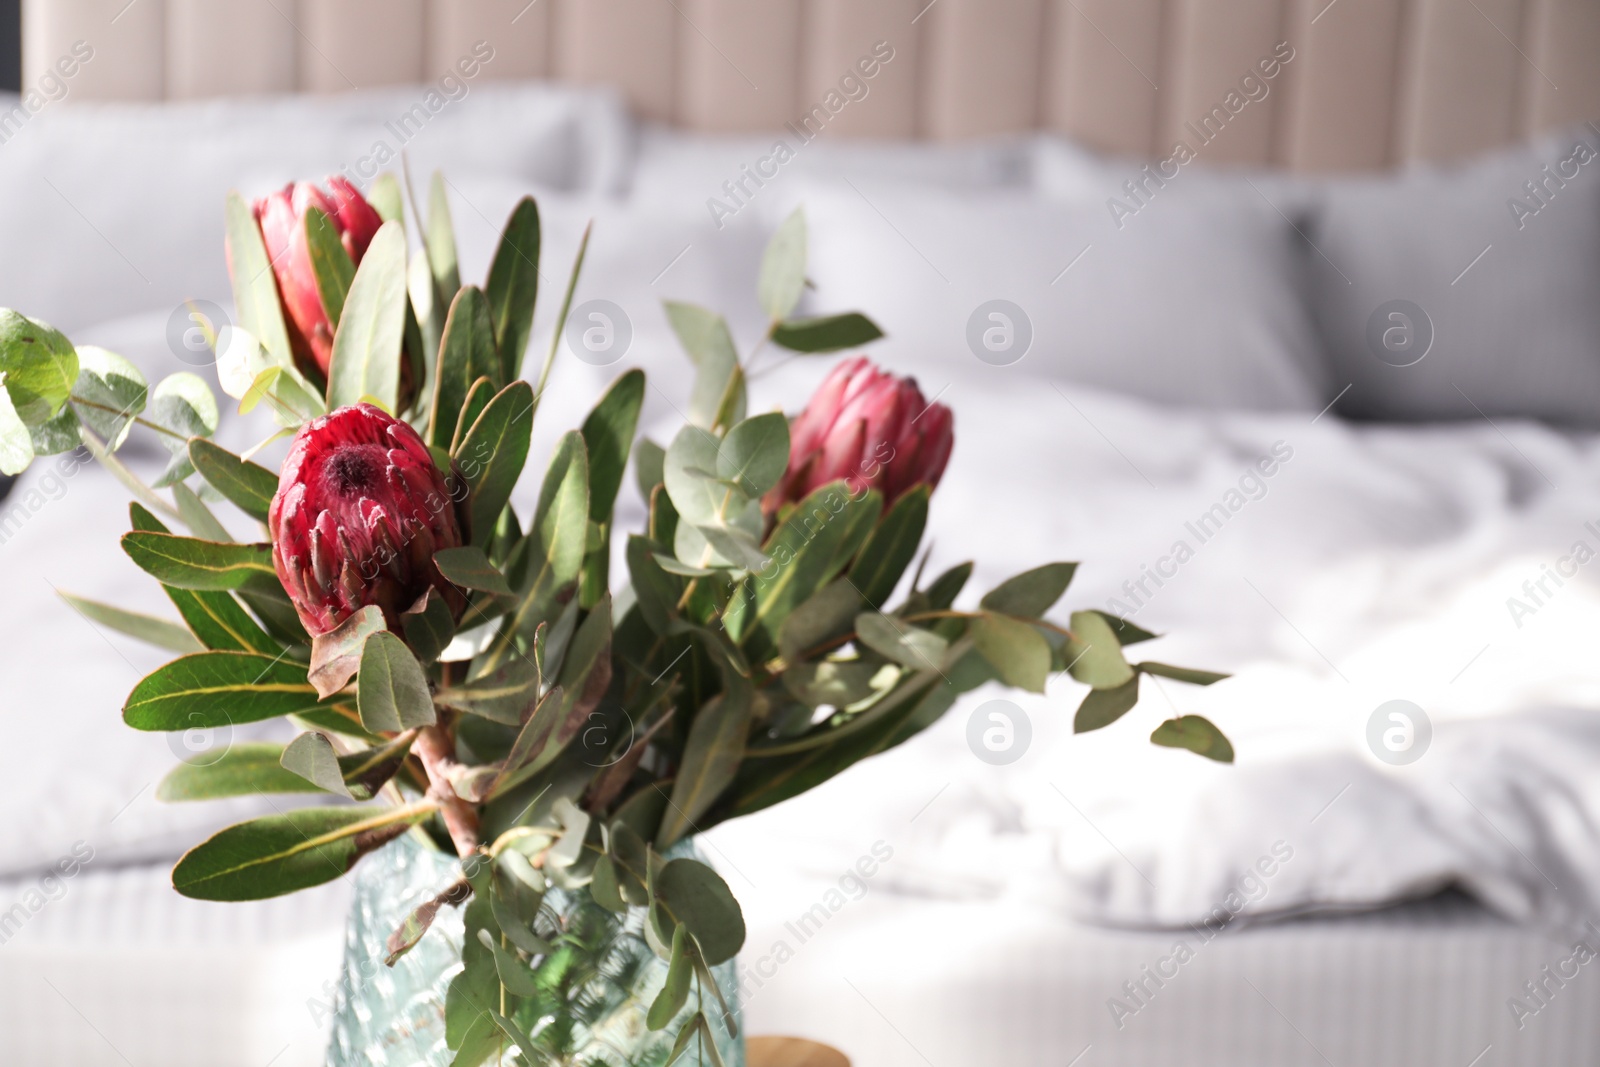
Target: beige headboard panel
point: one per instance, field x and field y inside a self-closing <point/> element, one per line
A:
<point x="1371" y="83"/>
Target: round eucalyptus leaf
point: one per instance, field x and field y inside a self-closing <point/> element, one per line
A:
<point x="110" y="391"/>
<point x="689" y="892"/>
<point x="40" y="366"/>
<point x="690" y="474"/>
<point x="755" y="453"/>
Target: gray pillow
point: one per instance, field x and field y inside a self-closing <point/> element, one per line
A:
<point x="1196" y="302"/>
<point x="1450" y="293"/>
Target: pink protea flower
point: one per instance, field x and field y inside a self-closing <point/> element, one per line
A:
<point x="360" y="510"/>
<point x="282" y="220"/>
<point x="869" y="428"/>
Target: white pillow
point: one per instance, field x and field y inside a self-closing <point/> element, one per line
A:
<point x="118" y="208"/>
<point x="1194" y="301"/>
<point x="1509" y="287"/>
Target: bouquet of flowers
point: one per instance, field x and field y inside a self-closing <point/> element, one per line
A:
<point x="561" y="734"/>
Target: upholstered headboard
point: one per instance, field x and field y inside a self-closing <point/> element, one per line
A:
<point x="1371" y="83"/>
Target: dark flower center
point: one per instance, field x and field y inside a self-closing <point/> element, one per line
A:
<point x="355" y="470"/>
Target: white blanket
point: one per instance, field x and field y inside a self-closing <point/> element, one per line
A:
<point x="1374" y="564"/>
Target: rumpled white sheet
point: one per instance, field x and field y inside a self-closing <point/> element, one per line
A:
<point x="1376" y="566"/>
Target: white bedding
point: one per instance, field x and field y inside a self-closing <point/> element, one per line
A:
<point x="1374" y="564"/>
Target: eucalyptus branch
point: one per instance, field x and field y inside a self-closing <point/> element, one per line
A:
<point x="123" y="413"/>
<point x="119" y="470"/>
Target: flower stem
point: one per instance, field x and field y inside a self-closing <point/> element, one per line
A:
<point x="437" y="750"/>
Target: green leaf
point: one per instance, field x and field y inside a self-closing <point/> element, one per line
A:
<point x="428" y="625"/>
<point x="513" y="286"/>
<point x="802" y="552"/>
<point x="60" y="434"/>
<point x="466" y="354"/>
<point x="691" y="893"/>
<point x="365" y="772"/>
<point x="675" y="991"/>
<point x="109" y="392"/>
<point x="280" y="854"/>
<point x="891" y="548"/>
<point x="1181" y="674"/>
<point x="705" y="337"/>
<point x="603" y="887"/>
<point x="39" y="364"/>
<point x="1195" y="733"/>
<point x="493" y="453"/>
<point x="1032" y="593"/>
<point x="248" y="486"/>
<point x="1102" y="707"/>
<point x="755" y="453"/>
<point x="311" y="756"/>
<point x="709" y="981"/>
<point x="250" y="375"/>
<point x="649" y="466"/>
<point x="686" y="1034"/>
<point x="255" y="290"/>
<point x="158" y="632"/>
<point x="195" y="515"/>
<point x="557" y="540"/>
<point x="1017" y="651"/>
<point x="190" y="563"/>
<point x="184" y="405"/>
<point x="860" y="520"/>
<point x="656" y="592"/>
<point x="1093" y="654"/>
<point x="830" y="333"/>
<point x="518" y="1036"/>
<point x="690" y="475"/>
<point x="469" y="568"/>
<point x="838" y="684"/>
<point x="16" y="442"/>
<point x="711" y="757"/>
<point x="608" y="437"/>
<point x="1126" y="632"/>
<point x="439" y="238"/>
<point x="502" y="695"/>
<point x="905" y="644"/>
<point x="386" y="198"/>
<point x="826" y="615"/>
<point x="945" y="588"/>
<point x="478" y="398"/>
<point x="242" y="769"/>
<point x="516" y="976"/>
<point x="214" y="617"/>
<point x="331" y="265"/>
<point x="783" y="268"/>
<point x="392" y="692"/>
<point x="208" y="689"/>
<point x="220" y="623"/>
<point x="582" y="678"/>
<point x="367" y="346"/>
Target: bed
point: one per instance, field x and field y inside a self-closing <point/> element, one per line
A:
<point x="1362" y="524"/>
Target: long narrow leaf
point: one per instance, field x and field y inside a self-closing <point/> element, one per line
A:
<point x="367" y="347"/>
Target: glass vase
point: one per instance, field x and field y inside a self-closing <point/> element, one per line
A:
<point x="395" y="1016"/>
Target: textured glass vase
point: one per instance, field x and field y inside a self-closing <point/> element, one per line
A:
<point x="394" y="1016"/>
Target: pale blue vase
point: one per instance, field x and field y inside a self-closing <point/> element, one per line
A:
<point x="394" y="1016"/>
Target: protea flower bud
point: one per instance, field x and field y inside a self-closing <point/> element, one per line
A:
<point x="360" y="510"/>
<point x="869" y="428"/>
<point x="282" y="220"/>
